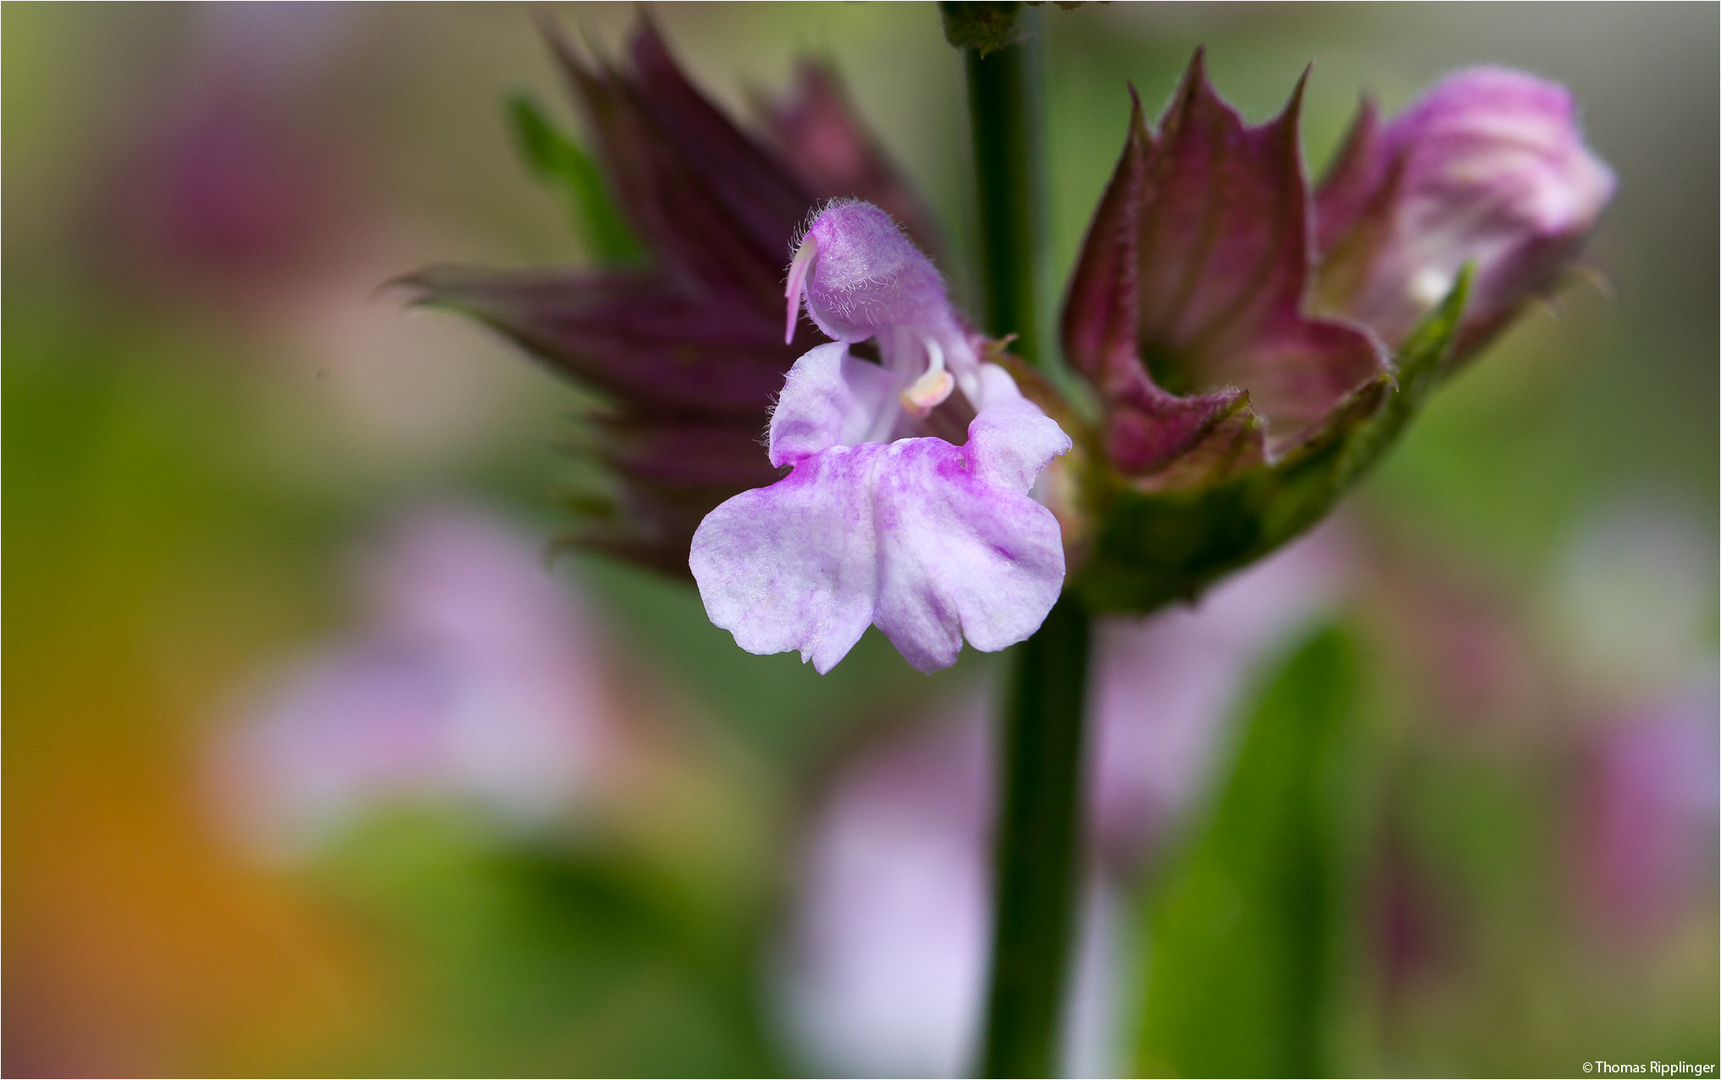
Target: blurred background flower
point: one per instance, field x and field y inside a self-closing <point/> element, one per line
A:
<point x="474" y="679"/>
<point x="259" y="514"/>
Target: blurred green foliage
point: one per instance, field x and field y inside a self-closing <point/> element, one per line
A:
<point x="1241" y="929"/>
<point x="541" y="957"/>
<point x="558" y="160"/>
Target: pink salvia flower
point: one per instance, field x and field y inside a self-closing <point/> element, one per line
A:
<point x="881" y="521"/>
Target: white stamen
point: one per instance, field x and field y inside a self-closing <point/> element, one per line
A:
<point x="929" y="391"/>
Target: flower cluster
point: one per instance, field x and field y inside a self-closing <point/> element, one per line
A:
<point x="1254" y="344"/>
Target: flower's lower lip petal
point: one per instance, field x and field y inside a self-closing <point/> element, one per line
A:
<point x="829" y="399"/>
<point x="793" y="567"/>
<point x="914" y="536"/>
<point x="1011" y="439"/>
<point x="959" y="556"/>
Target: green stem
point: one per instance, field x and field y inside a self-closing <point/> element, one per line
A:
<point x="1038" y="832"/>
<point x="1037" y="845"/>
<point x="1009" y="166"/>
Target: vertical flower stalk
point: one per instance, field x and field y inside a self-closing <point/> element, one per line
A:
<point x="1036" y="858"/>
<point x="1008" y="126"/>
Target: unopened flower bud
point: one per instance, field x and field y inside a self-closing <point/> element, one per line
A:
<point x="1488" y="167"/>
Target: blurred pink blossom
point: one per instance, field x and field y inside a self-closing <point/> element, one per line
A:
<point x="888" y="955"/>
<point x="474" y="679"/>
<point x="1163" y="687"/>
<point x="238" y="179"/>
<point x="1649" y="809"/>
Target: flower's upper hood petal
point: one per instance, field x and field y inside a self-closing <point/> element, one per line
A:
<point x="866" y="278"/>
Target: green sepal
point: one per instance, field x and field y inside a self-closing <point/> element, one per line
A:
<point x="558" y="161"/>
<point x="1153" y="547"/>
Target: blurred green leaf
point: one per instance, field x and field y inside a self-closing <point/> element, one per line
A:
<point x="535" y="957"/>
<point x="558" y="161"/>
<point x="1241" y="929"/>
